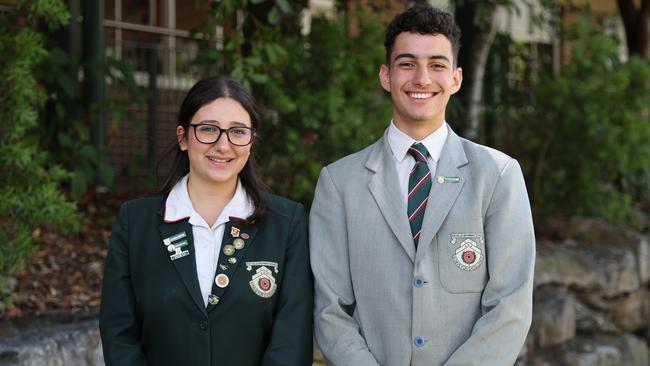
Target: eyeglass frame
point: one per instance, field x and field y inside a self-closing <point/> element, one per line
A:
<point x="221" y="131"/>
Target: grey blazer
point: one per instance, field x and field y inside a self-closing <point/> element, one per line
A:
<point x="379" y="301"/>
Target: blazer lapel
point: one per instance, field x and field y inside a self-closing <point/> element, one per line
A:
<point x="236" y="229"/>
<point x="185" y="266"/>
<point x="447" y="184"/>
<point x="384" y="187"/>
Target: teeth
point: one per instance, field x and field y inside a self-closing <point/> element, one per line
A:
<point x="421" y="95"/>
<point x="219" y="160"/>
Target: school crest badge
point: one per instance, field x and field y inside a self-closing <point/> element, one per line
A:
<point x="468" y="256"/>
<point x="263" y="283"/>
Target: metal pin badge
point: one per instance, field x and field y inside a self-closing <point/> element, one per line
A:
<point x="232" y="260"/>
<point x="245" y="236"/>
<point x="213" y="299"/>
<point x="234" y="232"/>
<point x="238" y="243"/>
<point x="228" y="249"/>
<point x="222" y="280"/>
<point x="442" y="179"/>
<point x="223" y="267"/>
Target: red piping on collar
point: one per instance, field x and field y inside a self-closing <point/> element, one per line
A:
<point x="239" y="219"/>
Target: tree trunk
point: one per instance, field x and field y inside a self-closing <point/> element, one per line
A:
<point x="637" y="26"/>
<point x="477" y="36"/>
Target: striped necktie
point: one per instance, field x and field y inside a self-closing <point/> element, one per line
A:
<point x="419" y="187"/>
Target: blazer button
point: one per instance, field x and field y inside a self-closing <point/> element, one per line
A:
<point x="419" y="342"/>
<point x="418" y="281"/>
<point x="203" y="325"/>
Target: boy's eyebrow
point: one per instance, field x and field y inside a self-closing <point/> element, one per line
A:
<point x="432" y="57"/>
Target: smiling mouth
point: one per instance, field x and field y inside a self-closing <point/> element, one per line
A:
<point x="219" y="160"/>
<point x="421" y="95"/>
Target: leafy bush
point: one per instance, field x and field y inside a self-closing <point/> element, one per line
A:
<point x="66" y="125"/>
<point x="29" y="195"/>
<point x="319" y="94"/>
<point x="585" y="139"/>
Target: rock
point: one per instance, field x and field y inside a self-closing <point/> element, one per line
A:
<point x="595" y="231"/>
<point x="635" y="351"/>
<point x="625" y="349"/>
<point x="554" y="317"/>
<point x="590" y="321"/>
<point x="630" y="312"/>
<point x="606" y="270"/>
<point x="594" y="355"/>
<point x="76" y="344"/>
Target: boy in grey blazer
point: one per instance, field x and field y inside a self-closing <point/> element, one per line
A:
<point x="422" y="244"/>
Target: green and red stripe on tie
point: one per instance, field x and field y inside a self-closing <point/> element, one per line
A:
<point x="419" y="188"/>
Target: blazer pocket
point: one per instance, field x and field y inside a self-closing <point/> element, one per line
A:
<point x="462" y="261"/>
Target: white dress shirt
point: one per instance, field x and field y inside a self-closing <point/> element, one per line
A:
<point x="400" y="142"/>
<point x="207" y="240"/>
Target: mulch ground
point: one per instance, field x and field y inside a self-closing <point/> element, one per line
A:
<point x="64" y="275"/>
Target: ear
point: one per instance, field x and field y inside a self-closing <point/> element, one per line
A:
<point x="457" y="80"/>
<point x="384" y="77"/>
<point x="181" y="137"/>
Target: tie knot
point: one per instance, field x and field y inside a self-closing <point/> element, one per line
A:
<point x="419" y="152"/>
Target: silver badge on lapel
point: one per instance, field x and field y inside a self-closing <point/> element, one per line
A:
<point x="468" y="255"/>
<point x="249" y="265"/>
<point x="174" y="245"/>
<point x="442" y="179"/>
<point x="263" y="282"/>
<point x="238" y="243"/>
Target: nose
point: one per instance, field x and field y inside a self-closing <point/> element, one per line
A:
<point x="222" y="142"/>
<point x="422" y="77"/>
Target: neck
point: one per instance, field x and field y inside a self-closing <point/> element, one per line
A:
<point x="209" y="199"/>
<point x="418" y="131"/>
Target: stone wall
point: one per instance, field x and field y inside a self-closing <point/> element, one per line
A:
<point x="592" y="298"/>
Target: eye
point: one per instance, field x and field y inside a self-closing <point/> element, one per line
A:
<point x="208" y="129"/>
<point x="239" y="131"/>
<point x="406" y="65"/>
<point x="438" y="66"/>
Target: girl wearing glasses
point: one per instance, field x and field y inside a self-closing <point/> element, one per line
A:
<point x="214" y="270"/>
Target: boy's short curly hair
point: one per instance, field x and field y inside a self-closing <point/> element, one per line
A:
<point x="423" y="19"/>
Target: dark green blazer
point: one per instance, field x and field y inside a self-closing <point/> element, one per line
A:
<point x="152" y="311"/>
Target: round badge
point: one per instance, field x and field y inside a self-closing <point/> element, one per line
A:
<point x="232" y="260"/>
<point x="171" y="248"/>
<point x="245" y="236"/>
<point x="228" y="249"/>
<point x="238" y="243"/>
<point x="222" y="280"/>
<point x="469" y="257"/>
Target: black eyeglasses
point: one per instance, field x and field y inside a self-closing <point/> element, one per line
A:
<point x="207" y="133"/>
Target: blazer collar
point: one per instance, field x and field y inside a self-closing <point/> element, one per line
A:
<point x="384" y="187"/>
<point x="447" y="184"/>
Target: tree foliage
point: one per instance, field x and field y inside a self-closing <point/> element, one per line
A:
<point x="319" y="93"/>
<point x="584" y="137"/>
<point x="29" y="195"/>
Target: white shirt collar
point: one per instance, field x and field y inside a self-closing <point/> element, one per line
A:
<point x="179" y="206"/>
<point x="400" y="142"/>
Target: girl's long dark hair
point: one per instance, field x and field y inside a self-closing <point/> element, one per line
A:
<point x="202" y="93"/>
